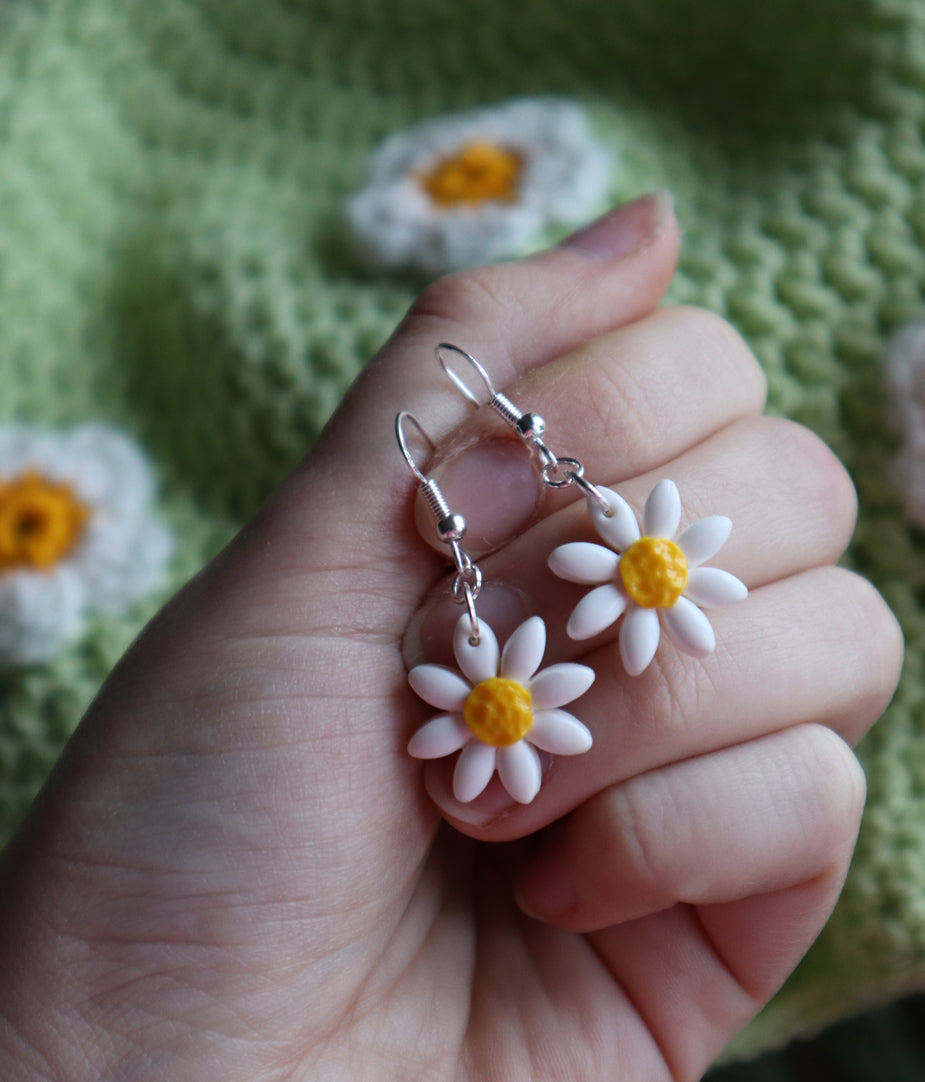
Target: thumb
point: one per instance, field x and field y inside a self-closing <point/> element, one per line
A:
<point x="515" y="317"/>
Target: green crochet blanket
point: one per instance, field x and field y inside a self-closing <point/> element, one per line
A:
<point x="172" y="176"/>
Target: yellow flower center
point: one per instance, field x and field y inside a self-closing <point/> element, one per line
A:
<point x="654" y="572"/>
<point x="478" y="172"/>
<point x="40" y="521"/>
<point x="499" y="711"/>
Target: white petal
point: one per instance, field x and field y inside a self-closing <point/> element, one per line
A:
<point x="689" y="629"/>
<point x="704" y="539"/>
<point x="581" y="561"/>
<point x="639" y="639"/>
<point x="559" y="684"/>
<point x="523" y="651"/>
<point x="440" y="686"/>
<point x="122" y="559"/>
<point x="713" y="588"/>
<point x="480" y="662"/>
<point x="662" y="512"/>
<point x="440" y="736"/>
<point x="520" y="771"/>
<point x="620" y="529"/>
<point x="39" y="612"/>
<point x="559" y="732"/>
<point x="473" y="772"/>
<point x="596" y="610"/>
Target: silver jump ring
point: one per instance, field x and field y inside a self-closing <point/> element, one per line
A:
<point x="589" y="489"/>
<point x="475" y="632"/>
<point x="468" y="579"/>
<point x="572" y="475"/>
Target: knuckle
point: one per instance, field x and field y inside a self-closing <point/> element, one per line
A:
<point x="836" y="780"/>
<point x="612" y="400"/>
<point x="709" y="335"/>
<point x="470" y="297"/>
<point x="824" y="486"/>
<point x="872" y="640"/>
<point x="640" y="815"/>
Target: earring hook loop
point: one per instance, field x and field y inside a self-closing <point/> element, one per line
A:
<point x="459" y="382"/>
<point x="400" y="418"/>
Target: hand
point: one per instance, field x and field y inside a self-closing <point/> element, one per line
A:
<point x="236" y="873"/>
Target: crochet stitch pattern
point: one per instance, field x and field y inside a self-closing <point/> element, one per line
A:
<point x="172" y="184"/>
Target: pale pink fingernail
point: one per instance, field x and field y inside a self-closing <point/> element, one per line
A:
<point x="497" y="484"/>
<point x="625" y="230"/>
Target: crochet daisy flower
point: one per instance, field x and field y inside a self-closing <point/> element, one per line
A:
<point x="77" y="534"/>
<point x="648" y="572"/>
<point x="472" y="187"/>
<point x="500" y="710"/>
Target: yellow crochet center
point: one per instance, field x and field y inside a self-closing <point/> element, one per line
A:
<point x="499" y="711"/>
<point x="654" y="572"/>
<point x="40" y="522"/>
<point x="479" y="172"/>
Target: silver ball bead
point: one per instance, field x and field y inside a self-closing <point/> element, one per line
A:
<point x="451" y="528"/>
<point x="531" y="426"/>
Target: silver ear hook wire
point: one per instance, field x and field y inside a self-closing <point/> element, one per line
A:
<point x="529" y="426"/>
<point x="451" y="528"/>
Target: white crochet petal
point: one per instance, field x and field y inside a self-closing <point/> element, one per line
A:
<point x="479" y="662"/>
<point x="559" y="684"/>
<point x="703" y="539"/>
<point x="39" y="613"/>
<point x="559" y="732"/>
<point x="596" y="611"/>
<point x="620" y="529"/>
<point x="639" y="639"/>
<point x="523" y="651"/>
<point x="440" y="686"/>
<point x="520" y="771"/>
<point x="473" y="772"/>
<point x="441" y="736"/>
<point x="713" y="588"/>
<point x="690" y="630"/>
<point x="24" y="447"/>
<point x="122" y="560"/>
<point x="584" y="562"/>
<point x="107" y="470"/>
<point x="661" y="515"/>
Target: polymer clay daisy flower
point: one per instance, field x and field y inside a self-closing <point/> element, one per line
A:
<point x="500" y="710"/>
<point x="646" y="572"/>
<point x="77" y="534"/>
<point x="460" y="190"/>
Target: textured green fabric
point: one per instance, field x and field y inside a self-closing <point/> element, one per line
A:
<point x="171" y="261"/>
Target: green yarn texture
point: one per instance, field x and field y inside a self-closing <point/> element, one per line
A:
<point x="172" y="261"/>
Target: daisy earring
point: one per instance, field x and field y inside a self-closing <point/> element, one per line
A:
<point x="498" y="709"/>
<point x="643" y="569"/>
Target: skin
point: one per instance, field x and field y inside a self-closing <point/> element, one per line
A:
<point x="237" y="873"/>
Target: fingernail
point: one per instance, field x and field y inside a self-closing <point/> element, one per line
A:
<point x="625" y="230"/>
<point x="486" y="809"/>
<point x="547" y="890"/>
<point x="429" y="635"/>
<point x="497" y="485"/>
